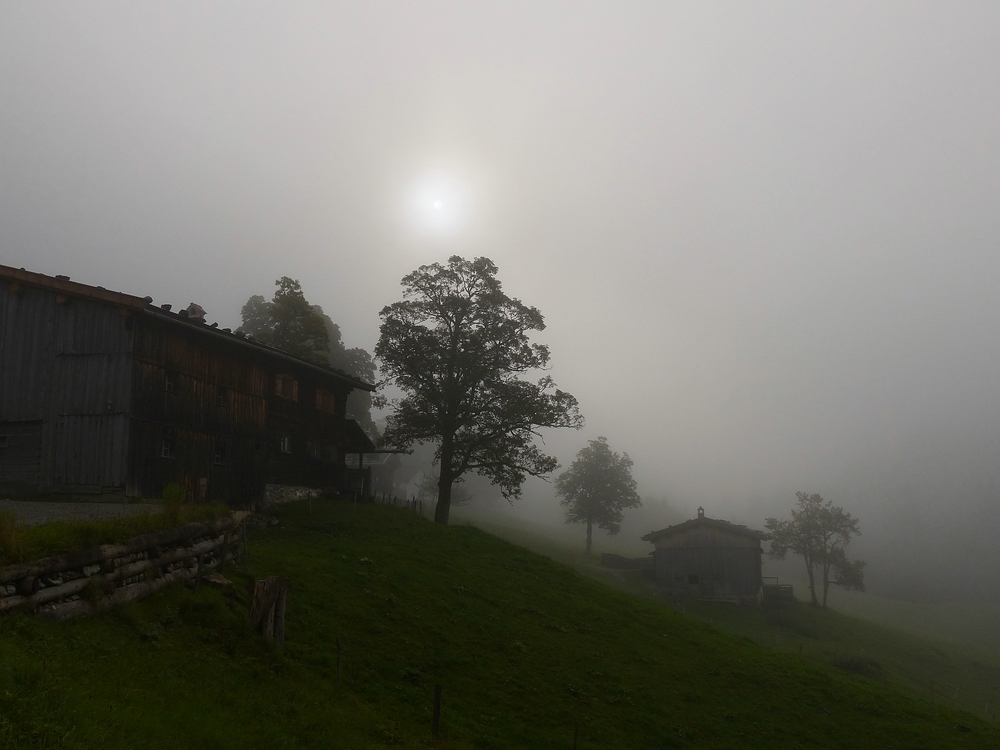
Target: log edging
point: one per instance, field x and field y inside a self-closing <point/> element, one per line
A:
<point x="55" y="587"/>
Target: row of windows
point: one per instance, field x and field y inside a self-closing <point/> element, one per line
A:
<point x="315" y="448"/>
<point x="285" y="387"/>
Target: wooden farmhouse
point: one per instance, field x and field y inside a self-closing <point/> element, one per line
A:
<point x="105" y="393"/>
<point x="709" y="558"/>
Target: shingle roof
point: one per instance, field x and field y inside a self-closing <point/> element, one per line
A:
<point x="703" y="521"/>
<point x="62" y="284"/>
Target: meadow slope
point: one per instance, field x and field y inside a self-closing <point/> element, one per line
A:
<point x="525" y="649"/>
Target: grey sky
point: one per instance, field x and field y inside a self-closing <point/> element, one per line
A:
<point x="764" y="235"/>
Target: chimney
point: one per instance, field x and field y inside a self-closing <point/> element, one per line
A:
<point x="195" y="313"/>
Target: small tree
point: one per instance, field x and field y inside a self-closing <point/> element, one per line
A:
<point x="819" y="531"/>
<point x="457" y="346"/>
<point x="597" y="488"/>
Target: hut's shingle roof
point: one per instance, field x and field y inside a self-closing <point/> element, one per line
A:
<point x="704" y="521"/>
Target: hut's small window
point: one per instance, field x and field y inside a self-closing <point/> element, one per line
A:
<point x="286" y="386"/>
<point x="170" y="383"/>
<point x="4" y="441"/>
<point x="693" y="578"/>
<point x="286" y="444"/>
<point x="168" y="446"/>
<point x="220" y="453"/>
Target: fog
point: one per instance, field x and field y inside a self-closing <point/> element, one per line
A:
<point x="764" y="236"/>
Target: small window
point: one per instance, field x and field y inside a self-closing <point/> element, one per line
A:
<point x="329" y="452"/>
<point x="286" y="386"/>
<point x="326" y="401"/>
<point x="4" y="441"/>
<point x="693" y="579"/>
<point x="170" y="382"/>
<point x="286" y="444"/>
<point x="220" y="397"/>
<point x="220" y="453"/>
<point x="168" y="447"/>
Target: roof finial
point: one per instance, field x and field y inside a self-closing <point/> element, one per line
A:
<point x="701" y="512"/>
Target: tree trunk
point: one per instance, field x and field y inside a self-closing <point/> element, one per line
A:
<point x="826" y="582"/>
<point x="812" y="580"/>
<point x="443" y="508"/>
<point x="589" y="536"/>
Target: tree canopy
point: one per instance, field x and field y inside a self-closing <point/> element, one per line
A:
<point x="597" y="488"/>
<point x="288" y="322"/>
<point x="291" y="323"/>
<point x="819" y="531"/>
<point x="457" y="347"/>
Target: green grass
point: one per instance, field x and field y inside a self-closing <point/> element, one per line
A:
<point x="22" y="543"/>
<point x="525" y="648"/>
<point x="900" y="643"/>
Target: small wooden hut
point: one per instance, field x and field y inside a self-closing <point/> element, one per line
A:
<point x="709" y="558"/>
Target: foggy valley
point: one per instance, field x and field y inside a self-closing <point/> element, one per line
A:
<point x="763" y="237"/>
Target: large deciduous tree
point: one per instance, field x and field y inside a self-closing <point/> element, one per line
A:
<point x="597" y="488"/>
<point x="458" y="348"/>
<point x="819" y="531"/>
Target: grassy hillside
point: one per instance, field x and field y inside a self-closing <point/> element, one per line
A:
<point x="524" y="648"/>
<point x="899" y="643"/>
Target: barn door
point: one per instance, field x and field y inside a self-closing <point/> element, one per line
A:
<point x="21" y="455"/>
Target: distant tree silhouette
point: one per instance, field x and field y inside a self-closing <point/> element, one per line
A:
<point x="597" y="488"/>
<point x="290" y="323"/>
<point x="819" y="531"/>
<point x="359" y="363"/>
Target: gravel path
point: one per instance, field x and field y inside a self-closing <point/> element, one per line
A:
<point x="32" y="513"/>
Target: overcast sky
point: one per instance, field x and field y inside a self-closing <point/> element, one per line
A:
<point x="764" y="235"/>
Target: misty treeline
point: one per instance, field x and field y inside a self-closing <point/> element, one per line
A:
<point x="291" y="323"/>
<point x="819" y="532"/>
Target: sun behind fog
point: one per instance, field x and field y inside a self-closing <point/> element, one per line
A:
<point x="439" y="203"/>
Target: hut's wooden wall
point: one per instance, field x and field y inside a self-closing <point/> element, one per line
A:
<point x="709" y="561"/>
<point x="65" y="382"/>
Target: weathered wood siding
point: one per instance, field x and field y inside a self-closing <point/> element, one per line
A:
<point x="65" y="381"/>
<point x="216" y="398"/>
<point x="709" y="562"/>
<point x="99" y="392"/>
<point x="316" y="437"/>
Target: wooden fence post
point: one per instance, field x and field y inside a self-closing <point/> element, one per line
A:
<point x="339" y="652"/>
<point x="267" y="611"/>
